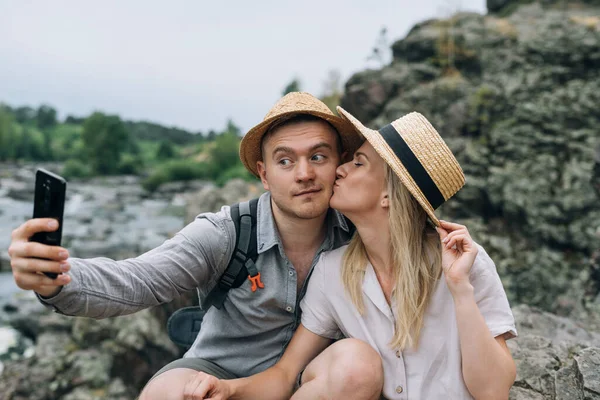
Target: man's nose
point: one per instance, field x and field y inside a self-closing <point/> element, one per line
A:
<point x="304" y="171"/>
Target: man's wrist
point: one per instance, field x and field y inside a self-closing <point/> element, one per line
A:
<point x="233" y="386"/>
<point x="46" y="294"/>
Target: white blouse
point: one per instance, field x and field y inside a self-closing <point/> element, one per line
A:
<point x="433" y="370"/>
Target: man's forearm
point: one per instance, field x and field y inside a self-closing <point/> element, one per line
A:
<point x="488" y="369"/>
<point x="102" y="288"/>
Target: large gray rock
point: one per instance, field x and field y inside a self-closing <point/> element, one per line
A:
<point x="537" y="362"/>
<point x="569" y="383"/>
<point x="588" y="362"/>
<point x="506" y="7"/>
<point x="596" y="172"/>
<point x="77" y="355"/>
<point x="556" y="357"/>
<point x="533" y="321"/>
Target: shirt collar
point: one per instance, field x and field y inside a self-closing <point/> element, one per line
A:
<point x="372" y="289"/>
<point x="268" y="236"/>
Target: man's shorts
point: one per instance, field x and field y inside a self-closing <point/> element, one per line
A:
<point x="197" y="364"/>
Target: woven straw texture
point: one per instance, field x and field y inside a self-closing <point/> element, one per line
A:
<point x="429" y="148"/>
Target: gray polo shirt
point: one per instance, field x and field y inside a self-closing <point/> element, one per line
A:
<point x="250" y="332"/>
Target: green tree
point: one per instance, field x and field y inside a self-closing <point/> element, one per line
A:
<point x="46" y="117"/>
<point x="233" y="128"/>
<point x="24" y="145"/>
<point x="74" y="120"/>
<point x="293" y="86"/>
<point x="225" y="153"/>
<point x="7" y="135"/>
<point x="38" y="142"/>
<point x="165" y="150"/>
<point x="25" y="114"/>
<point x="105" y="138"/>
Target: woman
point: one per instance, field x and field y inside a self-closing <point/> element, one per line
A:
<point x="416" y="289"/>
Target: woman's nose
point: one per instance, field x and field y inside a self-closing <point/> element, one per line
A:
<point x="340" y="172"/>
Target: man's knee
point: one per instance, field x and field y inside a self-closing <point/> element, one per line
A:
<point x="168" y="385"/>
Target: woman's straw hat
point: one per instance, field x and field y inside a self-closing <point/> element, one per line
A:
<point x="418" y="155"/>
<point x="291" y="104"/>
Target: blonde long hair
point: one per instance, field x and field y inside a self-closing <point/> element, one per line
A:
<point x="416" y="253"/>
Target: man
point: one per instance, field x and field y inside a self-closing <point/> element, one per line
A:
<point x="295" y="151"/>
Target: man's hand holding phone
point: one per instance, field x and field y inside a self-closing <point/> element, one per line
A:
<point x="29" y="260"/>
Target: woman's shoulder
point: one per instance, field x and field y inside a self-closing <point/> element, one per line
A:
<point x="483" y="264"/>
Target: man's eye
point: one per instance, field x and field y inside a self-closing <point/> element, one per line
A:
<point x="318" y="157"/>
<point x="285" y="162"/>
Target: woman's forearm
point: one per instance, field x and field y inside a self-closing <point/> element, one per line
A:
<point x="272" y="384"/>
<point x="488" y="368"/>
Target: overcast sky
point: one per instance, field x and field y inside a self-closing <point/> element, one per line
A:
<point x="191" y="64"/>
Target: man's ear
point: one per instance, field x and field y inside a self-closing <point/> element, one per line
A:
<point x="262" y="173"/>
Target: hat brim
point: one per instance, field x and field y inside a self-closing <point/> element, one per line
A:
<point x="388" y="155"/>
<point x="250" y="146"/>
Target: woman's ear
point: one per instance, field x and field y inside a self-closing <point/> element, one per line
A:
<point x="385" y="201"/>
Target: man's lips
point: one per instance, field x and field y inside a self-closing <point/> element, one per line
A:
<point x="308" y="191"/>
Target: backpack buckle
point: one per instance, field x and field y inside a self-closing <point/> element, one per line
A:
<point x="256" y="282"/>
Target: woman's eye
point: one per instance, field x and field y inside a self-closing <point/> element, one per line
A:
<point x="357" y="164"/>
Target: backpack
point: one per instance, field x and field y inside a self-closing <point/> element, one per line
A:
<point x="184" y="324"/>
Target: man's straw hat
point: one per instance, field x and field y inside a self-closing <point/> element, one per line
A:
<point x="418" y="155"/>
<point x="291" y="104"/>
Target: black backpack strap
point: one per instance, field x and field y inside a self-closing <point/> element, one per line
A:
<point x="241" y="265"/>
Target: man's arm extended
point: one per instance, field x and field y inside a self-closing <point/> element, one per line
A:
<point x="101" y="287"/>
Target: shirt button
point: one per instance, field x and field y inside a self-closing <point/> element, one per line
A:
<point x="398" y="354"/>
<point x="288" y="309"/>
<point x="291" y="273"/>
<point x="399" y="389"/>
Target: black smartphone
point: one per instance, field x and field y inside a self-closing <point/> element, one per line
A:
<point x="49" y="202"/>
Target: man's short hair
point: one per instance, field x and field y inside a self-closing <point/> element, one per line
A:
<point x="297" y="119"/>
